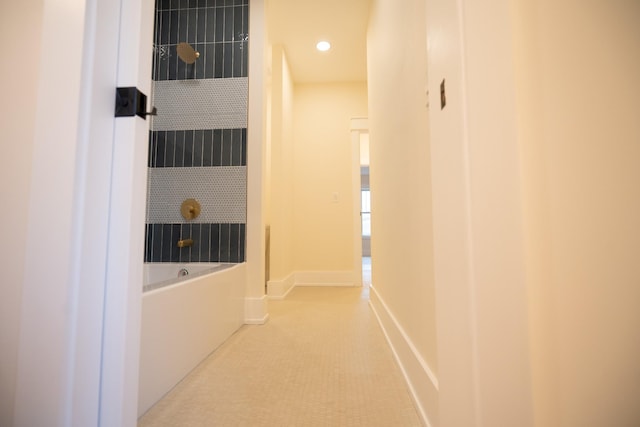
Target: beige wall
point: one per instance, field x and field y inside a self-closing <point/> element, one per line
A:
<point x="20" y="26"/>
<point x="281" y="167"/>
<point x="401" y="235"/>
<point x="578" y="83"/>
<point x="322" y="170"/>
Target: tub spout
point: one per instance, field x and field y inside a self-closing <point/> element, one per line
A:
<point x="184" y="243"/>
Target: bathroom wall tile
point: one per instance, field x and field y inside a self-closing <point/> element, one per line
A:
<point x="201" y="23"/>
<point x="193" y="134"/>
<point x="224" y="242"/>
<point x="206" y="26"/>
<point x="217" y="148"/>
<point x="209" y="30"/>
<point x="209" y="61"/>
<point x="169" y="148"/>
<point x="243" y="243"/>
<point x="218" y="62"/>
<point x="207" y="148"/>
<point x="234" y="236"/>
<point x="197" y="238"/>
<point x="163" y="4"/>
<point x="244" y="147"/>
<point x="238" y="31"/>
<point x="172" y="66"/>
<point x="227" y="147"/>
<point x="181" y="69"/>
<point x="219" y="25"/>
<point x="178" y="159"/>
<point x="228" y="23"/>
<point x="184" y="254"/>
<point x="227" y="69"/>
<point x="152" y="147"/>
<point x="236" y="147"/>
<point x="164" y="27"/>
<point x="165" y="249"/>
<point x="217" y="242"/>
<point x="214" y="243"/>
<point x="192" y="25"/>
<point x="189" y="142"/>
<point x="161" y="62"/>
<point x="173" y="243"/>
<point x="160" y="148"/>
<point x="237" y="59"/>
<point x="156" y="242"/>
<point x="183" y="25"/>
<point x="147" y="245"/>
<point x="174" y="20"/>
<point x="197" y="148"/>
<point x="205" y="242"/>
<point x="210" y="104"/>
<point x="200" y="64"/>
<point x="221" y="192"/>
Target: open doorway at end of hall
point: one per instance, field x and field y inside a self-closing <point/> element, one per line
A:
<point x="365" y="209"/>
<point x="361" y="201"/>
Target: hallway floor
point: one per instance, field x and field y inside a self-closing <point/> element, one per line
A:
<point x="320" y="360"/>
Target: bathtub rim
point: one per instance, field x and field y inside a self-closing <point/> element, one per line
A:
<point x="173" y="282"/>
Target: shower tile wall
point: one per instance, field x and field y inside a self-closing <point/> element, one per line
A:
<point x="198" y="140"/>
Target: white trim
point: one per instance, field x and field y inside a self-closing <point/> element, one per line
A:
<point x="279" y="289"/>
<point x="359" y="124"/>
<point x="255" y="310"/>
<point x="422" y="382"/>
<point x="123" y="294"/>
<point x="324" y="278"/>
<point x="255" y="298"/>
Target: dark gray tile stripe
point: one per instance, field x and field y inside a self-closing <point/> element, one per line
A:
<point x="211" y="243"/>
<point x="197" y="148"/>
<point x="219" y="33"/>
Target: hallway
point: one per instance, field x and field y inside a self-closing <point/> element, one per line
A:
<point x="321" y="360"/>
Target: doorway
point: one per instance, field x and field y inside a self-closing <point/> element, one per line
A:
<point x="362" y="200"/>
<point x="365" y="209"/>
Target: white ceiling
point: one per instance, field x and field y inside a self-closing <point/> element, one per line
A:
<point x="299" y="24"/>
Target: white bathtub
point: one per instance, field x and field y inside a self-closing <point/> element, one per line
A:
<point x="159" y="275"/>
<point x="183" y="321"/>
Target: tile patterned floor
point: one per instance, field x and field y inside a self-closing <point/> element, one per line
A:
<point x="321" y="360"/>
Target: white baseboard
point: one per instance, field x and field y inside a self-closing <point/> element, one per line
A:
<point x="255" y="310"/>
<point x="422" y="382"/>
<point x="324" y="278"/>
<point x="279" y="289"/>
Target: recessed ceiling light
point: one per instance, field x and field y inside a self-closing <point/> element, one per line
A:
<point x="323" y="46"/>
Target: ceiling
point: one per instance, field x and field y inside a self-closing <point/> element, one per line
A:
<point x="299" y="24"/>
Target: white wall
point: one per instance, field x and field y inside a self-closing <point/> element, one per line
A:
<point x="323" y="210"/>
<point x="282" y="202"/>
<point x="401" y="200"/>
<point x="255" y="300"/>
<point x="481" y="295"/>
<point x="578" y="87"/>
<point x="20" y="26"/>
